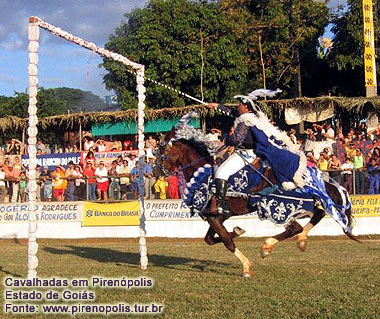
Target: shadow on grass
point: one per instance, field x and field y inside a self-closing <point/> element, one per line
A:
<point x="105" y="255"/>
<point x="6" y="272"/>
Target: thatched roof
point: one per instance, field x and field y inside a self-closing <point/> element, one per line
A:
<point x="72" y="121"/>
<point x="352" y="104"/>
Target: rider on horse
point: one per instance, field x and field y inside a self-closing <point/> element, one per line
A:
<point x="242" y="139"/>
<point x="252" y="135"/>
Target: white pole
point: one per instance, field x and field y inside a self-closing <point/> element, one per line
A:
<point x="33" y="35"/>
<point x="140" y="111"/>
<point x="37" y="22"/>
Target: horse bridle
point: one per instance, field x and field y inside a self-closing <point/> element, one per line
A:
<point x="163" y="158"/>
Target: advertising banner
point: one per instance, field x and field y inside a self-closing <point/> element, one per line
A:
<point x="108" y="157"/>
<point x="45" y="212"/>
<point x="169" y="209"/>
<point x="369" y="44"/>
<point x="111" y="214"/>
<point x="127" y="213"/>
<point x="54" y="160"/>
<point x="365" y="205"/>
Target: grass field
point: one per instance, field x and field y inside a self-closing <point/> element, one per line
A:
<point x="334" y="278"/>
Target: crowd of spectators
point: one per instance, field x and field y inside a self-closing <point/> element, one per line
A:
<point x="352" y="160"/>
<point x="93" y="179"/>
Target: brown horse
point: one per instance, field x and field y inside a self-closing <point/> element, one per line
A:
<point x="188" y="155"/>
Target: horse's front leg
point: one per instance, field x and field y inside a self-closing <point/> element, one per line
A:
<point x="216" y="224"/>
<point x="291" y="230"/>
<point x="302" y="237"/>
<point x="210" y="238"/>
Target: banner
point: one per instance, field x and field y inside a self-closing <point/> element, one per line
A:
<point x="108" y="157"/>
<point x="127" y="213"/>
<point x="169" y="209"/>
<point x="54" y="160"/>
<point x="297" y="115"/>
<point x="115" y="214"/>
<point x="45" y="212"/>
<point x="369" y="44"/>
<point x="174" y="210"/>
<point x="365" y="205"/>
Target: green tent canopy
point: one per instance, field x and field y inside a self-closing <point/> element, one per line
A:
<point x="129" y="127"/>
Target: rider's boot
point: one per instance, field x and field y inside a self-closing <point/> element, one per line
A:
<point x="220" y="194"/>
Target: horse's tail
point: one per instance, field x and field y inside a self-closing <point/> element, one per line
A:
<point x="341" y="197"/>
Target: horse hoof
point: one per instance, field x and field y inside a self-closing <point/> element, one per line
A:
<point x="265" y="251"/>
<point x="246" y="275"/>
<point x="301" y="244"/>
<point x="238" y="231"/>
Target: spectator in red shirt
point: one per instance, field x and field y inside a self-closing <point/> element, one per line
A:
<point x="89" y="172"/>
<point x="173" y="190"/>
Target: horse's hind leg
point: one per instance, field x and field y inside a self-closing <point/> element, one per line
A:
<point x="291" y="230"/>
<point x="302" y="237"/>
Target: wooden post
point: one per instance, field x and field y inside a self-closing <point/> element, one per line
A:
<point x="80" y="132"/>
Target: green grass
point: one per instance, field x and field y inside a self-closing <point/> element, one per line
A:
<point x="334" y="278"/>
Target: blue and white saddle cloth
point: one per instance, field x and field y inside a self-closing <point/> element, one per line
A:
<point x="199" y="190"/>
<point x="279" y="206"/>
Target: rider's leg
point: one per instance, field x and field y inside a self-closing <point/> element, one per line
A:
<point x="229" y="167"/>
<point x="220" y="194"/>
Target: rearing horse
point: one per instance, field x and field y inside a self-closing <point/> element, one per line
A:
<point x="189" y="155"/>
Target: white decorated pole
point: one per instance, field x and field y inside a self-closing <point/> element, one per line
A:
<point x="33" y="35"/>
<point x="34" y="23"/>
<point x="140" y="128"/>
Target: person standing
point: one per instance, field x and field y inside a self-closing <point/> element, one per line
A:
<point x="335" y="167"/>
<point x="70" y="182"/>
<point x="173" y="190"/>
<point x="135" y="179"/>
<point x="347" y="168"/>
<point x="87" y="143"/>
<point x="125" y="174"/>
<point x="160" y="187"/>
<point x="359" y="166"/>
<point x="22" y="187"/>
<point x="12" y="175"/>
<point x="89" y="172"/>
<point x="102" y="182"/>
<point x="114" y="186"/>
<point x="132" y="160"/>
<point x="47" y="185"/>
<point x="374" y="177"/>
<point x="80" y="183"/>
<point x="38" y="182"/>
<point x="3" y="189"/>
<point x="149" y="178"/>
<point x="59" y="183"/>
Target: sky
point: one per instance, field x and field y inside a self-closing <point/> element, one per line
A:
<point x="61" y="63"/>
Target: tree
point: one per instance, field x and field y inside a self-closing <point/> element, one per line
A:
<point x="227" y="46"/>
<point x="172" y="38"/>
<point x="50" y="102"/>
<point x="346" y="55"/>
<point x="55" y="101"/>
<point x="288" y="32"/>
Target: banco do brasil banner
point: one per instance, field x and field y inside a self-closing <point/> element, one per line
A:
<point x="113" y="214"/>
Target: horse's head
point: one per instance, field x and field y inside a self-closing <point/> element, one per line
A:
<point x="184" y="154"/>
<point x="165" y="142"/>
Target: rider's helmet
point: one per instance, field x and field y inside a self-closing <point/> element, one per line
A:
<point x="246" y="100"/>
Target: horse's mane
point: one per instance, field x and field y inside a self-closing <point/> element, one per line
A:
<point x="199" y="147"/>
